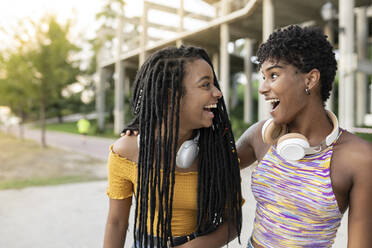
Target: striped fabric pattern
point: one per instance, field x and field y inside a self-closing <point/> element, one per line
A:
<point x="296" y="206"/>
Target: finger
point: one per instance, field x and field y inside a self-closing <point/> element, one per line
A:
<point x="135" y="133"/>
<point x="128" y="132"/>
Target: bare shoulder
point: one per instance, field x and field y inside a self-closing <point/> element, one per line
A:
<point x="354" y="154"/>
<point x="354" y="162"/>
<point x="354" y="149"/>
<point x="127" y="147"/>
<point x="351" y="167"/>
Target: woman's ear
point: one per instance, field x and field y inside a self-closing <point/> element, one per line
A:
<point x="312" y="79"/>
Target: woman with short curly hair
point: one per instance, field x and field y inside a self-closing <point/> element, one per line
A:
<point x="309" y="170"/>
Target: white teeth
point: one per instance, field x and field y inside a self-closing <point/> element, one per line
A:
<point x="272" y="101"/>
<point x="211" y="106"/>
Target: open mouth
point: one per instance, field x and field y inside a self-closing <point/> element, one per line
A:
<point x="210" y="107"/>
<point x="274" y="102"/>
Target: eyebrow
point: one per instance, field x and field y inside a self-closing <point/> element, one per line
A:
<point x="203" y="78"/>
<point x="274" y="66"/>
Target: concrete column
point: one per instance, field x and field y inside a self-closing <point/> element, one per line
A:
<point x="328" y="30"/>
<point x="100" y="97"/>
<point x="119" y="97"/>
<point x="225" y="58"/>
<point x="346" y="79"/>
<point x="119" y="36"/>
<point x="268" y="18"/>
<point x="143" y="38"/>
<point x="248" y="68"/>
<point x="267" y="29"/>
<point x="361" y="78"/>
<point x="370" y="101"/>
<point x="218" y="9"/>
<point x="181" y="13"/>
<point x="119" y="82"/>
<point x="215" y="63"/>
<point x="234" y="91"/>
<point x="126" y="83"/>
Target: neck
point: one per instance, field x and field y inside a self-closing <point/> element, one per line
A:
<point x="313" y="123"/>
<point x="184" y="135"/>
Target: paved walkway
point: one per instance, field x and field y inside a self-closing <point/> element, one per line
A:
<point x="74" y="215"/>
<point x="94" y="146"/>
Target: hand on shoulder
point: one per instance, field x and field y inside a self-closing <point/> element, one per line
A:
<point x="129" y="133"/>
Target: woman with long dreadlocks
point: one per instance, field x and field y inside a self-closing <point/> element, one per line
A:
<point x="182" y="168"/>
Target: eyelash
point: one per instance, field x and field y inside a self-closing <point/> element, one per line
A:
<point x="271" y="75"/>
<point x="208" y="84"/>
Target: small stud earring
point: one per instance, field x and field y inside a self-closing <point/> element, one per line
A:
<point x="307" y="91"/>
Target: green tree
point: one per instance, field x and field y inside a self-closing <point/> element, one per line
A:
<point x="55" y="64"/>
<point x="51" y="59"/>
<point x="34" y="73"/>
<point x="17" y="83"/>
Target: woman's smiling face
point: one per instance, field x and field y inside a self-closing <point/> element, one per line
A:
<point x="201" y="95"/>
<point x="284" y="87"/>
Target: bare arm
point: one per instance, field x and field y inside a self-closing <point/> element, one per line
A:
<point x="117" y="220"/>
<point x="215" y="239"/>
<point x="360" y="208"/>
<point x="117" y="223"/>
<point x="250" y="145"/>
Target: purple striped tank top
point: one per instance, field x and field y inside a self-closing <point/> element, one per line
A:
<point x="296" y="206"/>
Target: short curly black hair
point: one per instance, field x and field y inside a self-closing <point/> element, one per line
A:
<point x="306" y="48"/>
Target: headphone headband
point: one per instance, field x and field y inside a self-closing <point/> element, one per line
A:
<point x="329" y="139"/>
<point x="294" y="146"/>
<point x="334" y="134"/>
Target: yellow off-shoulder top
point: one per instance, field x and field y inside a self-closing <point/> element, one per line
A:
<point x="122" y="183"/>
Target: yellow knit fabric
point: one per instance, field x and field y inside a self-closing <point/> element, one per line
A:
<point x="122" y="182"/>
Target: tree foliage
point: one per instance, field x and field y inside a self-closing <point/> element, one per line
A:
<point x="34" y="74"/>
<point x="52" y="59"/>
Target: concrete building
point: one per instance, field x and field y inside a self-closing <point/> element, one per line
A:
<point x="347" y="23"/>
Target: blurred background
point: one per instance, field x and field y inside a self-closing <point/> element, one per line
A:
<point x="66" y="71"/>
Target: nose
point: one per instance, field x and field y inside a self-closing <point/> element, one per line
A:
<point x="264" y="87"/>
<point x="216" y="93"/>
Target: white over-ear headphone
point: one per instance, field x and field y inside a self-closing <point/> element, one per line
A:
<point x="187" y="153"/>
<point x="294" y="146"/>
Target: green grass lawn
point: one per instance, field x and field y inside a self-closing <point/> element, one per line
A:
<point x="70" y="127"/>
<point x="32" y="182"/>
<point x="24" y="163"/>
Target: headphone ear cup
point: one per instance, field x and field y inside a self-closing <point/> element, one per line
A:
<point x="271" y="132"/>
<point x="187" y="153"/>
<point x="292" y="146"/>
